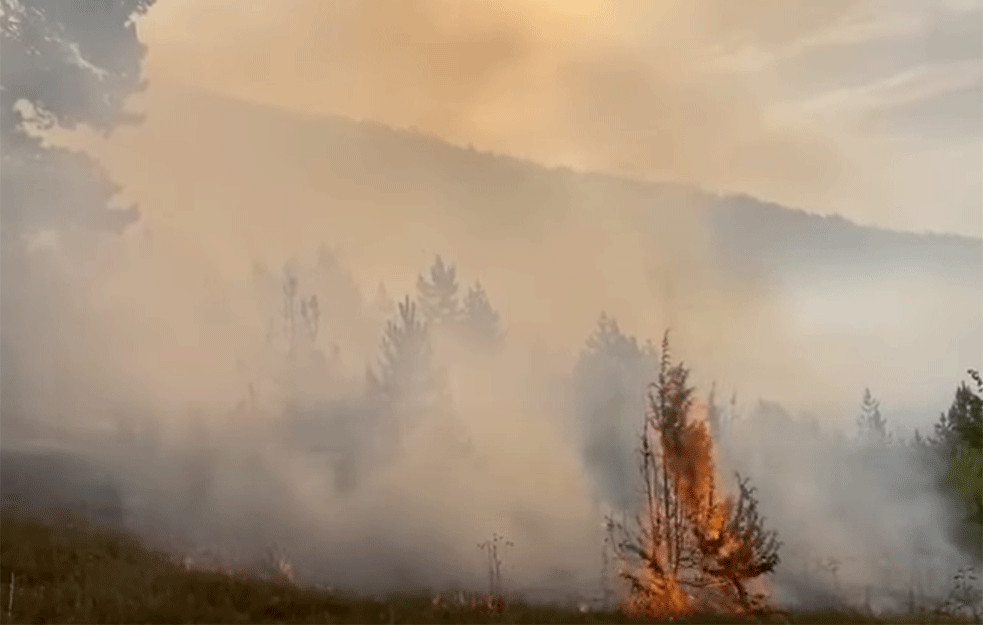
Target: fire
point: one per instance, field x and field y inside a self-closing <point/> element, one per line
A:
<point x="692" y="550"/>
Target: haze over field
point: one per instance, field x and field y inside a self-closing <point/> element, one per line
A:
<point x="628" y="158"/>
<point x="261" y="184"/>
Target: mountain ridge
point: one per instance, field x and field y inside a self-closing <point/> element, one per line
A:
<point x="414" y="135"/>
<point x="317" y="161"/>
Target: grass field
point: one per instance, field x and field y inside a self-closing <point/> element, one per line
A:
<point x="58" y="570"/>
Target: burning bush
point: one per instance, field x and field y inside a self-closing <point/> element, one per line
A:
<point x="688" y="549"/>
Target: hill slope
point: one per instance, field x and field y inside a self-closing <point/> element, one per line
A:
<point x="342" y="159"/>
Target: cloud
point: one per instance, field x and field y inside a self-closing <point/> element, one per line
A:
<point x="905" y="88"/>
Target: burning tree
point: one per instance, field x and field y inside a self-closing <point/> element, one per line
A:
<point x="688" y="549"/>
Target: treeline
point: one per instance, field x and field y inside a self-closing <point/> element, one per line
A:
<point x="406" y="385"/>
<point x="954" y="449"/>
<point x="320" y="319"/>
<point x="614" y="368"/>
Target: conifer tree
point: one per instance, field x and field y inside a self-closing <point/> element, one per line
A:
<point x="957" y="447"/>
<point x="608" y="382"/>
<point x="438" y="296"/>
<point x="690" y="546"/>
<point x="871" y="425"/>
<point x="303" y="365"/>
<point x="962" y="424"/>
<point x="608" y="341"/>
<point x="479" y="320"/>
<point x="408" y="385"/>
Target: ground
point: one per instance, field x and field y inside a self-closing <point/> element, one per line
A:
<point x="55" y="568"/>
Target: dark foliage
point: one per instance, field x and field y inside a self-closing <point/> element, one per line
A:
<point x="65" y="64"/>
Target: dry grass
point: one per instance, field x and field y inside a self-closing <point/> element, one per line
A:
<point x="60" y="570"/>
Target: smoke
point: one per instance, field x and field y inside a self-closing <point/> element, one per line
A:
<point x="861" y="524"/>
<point x="259" y="184"/>
<point x="651" y="90"/>
<point x="163" y="332"/>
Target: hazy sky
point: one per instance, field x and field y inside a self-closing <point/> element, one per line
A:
<point x="871" y="109"/>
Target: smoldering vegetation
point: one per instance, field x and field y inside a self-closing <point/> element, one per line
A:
<point x="366" y="353"/>
<point x="376" y="440"/>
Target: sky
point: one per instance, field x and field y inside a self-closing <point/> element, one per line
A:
<point x="870" y="109"/>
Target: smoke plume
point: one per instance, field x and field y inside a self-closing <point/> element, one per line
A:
<point x="166" y="337"/>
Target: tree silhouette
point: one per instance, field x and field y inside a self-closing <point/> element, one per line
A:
<point x="478" y="319"/>
<point x="64" y="64"/>
<point x="608" y="382"/>
<point x="408" y="385"/>
<point x="956" y="448"/>
<point x="438" y="297"/>
<point x="304" y="365"/>
<point x="962" y="424"/>
<point x="871" y="425"/>
<point x="608" y="341"/>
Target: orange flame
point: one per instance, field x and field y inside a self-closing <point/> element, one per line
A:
<point x="690" y="546"/>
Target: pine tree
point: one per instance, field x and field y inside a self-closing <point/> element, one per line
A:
<point x="438" y="297"/>
<point x="957" y="447"/>
<point x="608" y="387"/>
<point x="962" y="425"/>
<point x="304" y="366"/>
<point x="479" y="320"/>
<point x="608" y="341"/>
<point x="301" y="317"/>
<point x="690" y="546"/>
<point x="408" y="385"/>
<point x="871" y="425"/>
